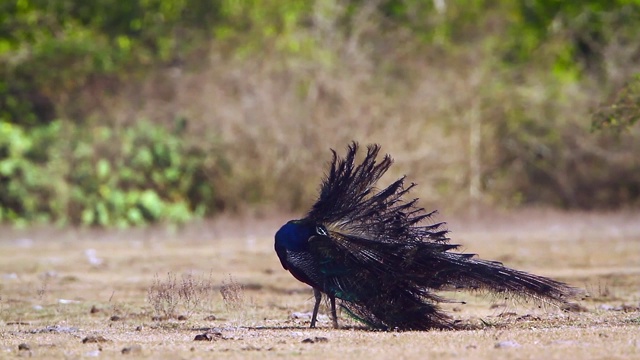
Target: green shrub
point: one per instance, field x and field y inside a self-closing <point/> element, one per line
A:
<point x="103" y="176"/>
<point x="623" y="111"/>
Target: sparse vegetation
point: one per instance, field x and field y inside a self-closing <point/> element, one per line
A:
<point x="171" y="297"/>
<point x="232" y="294"/>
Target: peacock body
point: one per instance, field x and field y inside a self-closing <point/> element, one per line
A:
<point x="376" y="252"/>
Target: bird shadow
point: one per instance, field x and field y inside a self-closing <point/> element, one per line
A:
<point x="288" y="328"/>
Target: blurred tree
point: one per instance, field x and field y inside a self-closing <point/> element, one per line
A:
<point x="622" y="111"/>
<point x="62" y="62"/>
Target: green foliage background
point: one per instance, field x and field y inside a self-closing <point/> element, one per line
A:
<point x="68" y="70"/>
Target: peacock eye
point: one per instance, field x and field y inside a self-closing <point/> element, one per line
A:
<point x="321" y="230"/>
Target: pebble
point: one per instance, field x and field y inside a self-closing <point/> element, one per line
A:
<point x="506" y="344"/>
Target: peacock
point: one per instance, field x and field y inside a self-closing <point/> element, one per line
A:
<point x="383" y="257"/>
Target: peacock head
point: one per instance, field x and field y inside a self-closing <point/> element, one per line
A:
<point x="295" y="234"/>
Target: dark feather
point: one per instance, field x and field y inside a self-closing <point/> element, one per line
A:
<point x="374" y="250"/>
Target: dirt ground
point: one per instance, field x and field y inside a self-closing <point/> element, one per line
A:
<point x="148" y="293"/>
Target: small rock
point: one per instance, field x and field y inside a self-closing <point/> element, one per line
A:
<point x="506" y="344"/>
<point x="564" y="342"/>
<point x="92" y="257"/>
<point x="10" y="276"/>
<point x="133" y="349"/>
<point x="251" y="348"/>
<point x="24" y="346"/>
<point x="115" y="318"/>
<point x="94" y="353"/>
<point x="317" y="339"/>
<point x="49" y="274"/>
<point x="67" y="301"/>
<point x="203" y="337"/>
<point x="94" y="339"/>
<point x="55" y="329"/>
<point x="24" y="243"/>
<point x="139" y="328"/>
<point x="628" y="308"/>
<point x="208" y="336"/>
<point x="573" y="307"/>
<point x="182" y="318"/>
<point x="301" y="315"/>
<point x="308" y="315"/>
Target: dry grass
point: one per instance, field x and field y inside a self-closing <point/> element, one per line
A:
<point x="232" y="294"/>
<point x="62" y="303"/>
<point x="466" y="126"/>
<point x="168" y="297"/>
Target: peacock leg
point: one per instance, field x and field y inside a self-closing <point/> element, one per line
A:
<point x="334" y="315"/>
<point x="318" y="296"/>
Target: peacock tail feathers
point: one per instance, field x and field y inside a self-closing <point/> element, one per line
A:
<point x="381" y="255"/>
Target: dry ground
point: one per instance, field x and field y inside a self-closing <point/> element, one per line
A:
<point x="79" y="293"/>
